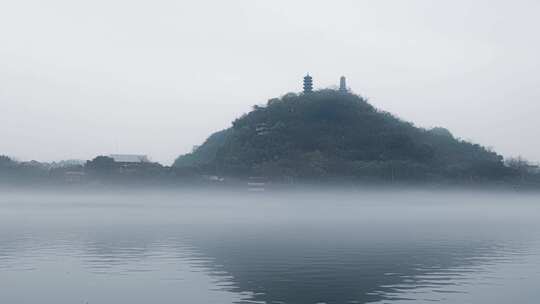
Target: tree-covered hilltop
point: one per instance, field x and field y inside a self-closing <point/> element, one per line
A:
<point x="328" y="134"/>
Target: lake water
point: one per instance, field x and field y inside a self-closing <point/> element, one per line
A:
<point x="311" y="247"/>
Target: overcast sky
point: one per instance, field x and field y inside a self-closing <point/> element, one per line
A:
<point x="83" y="78"/>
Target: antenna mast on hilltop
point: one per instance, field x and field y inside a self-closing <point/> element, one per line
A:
<point x="308" y="84"/>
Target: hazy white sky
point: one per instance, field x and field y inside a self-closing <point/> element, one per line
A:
<point x="82" y="78"/>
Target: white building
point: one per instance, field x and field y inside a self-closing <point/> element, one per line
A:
<point x="130" y="158"/>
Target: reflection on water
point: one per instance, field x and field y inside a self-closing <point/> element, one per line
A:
<point x="288" y="248"/>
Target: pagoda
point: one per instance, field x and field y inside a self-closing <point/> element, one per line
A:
<point x="308" y="84"/>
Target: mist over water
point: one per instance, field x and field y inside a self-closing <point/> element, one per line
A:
<point x="332" y="246"/>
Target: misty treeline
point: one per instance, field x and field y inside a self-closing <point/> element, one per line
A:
<point x="103" y="170"/>
<point x="100" y="170"/>
<point x="329" y="134"/>
<point x="317" y="137"/>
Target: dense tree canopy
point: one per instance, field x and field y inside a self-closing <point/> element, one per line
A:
<point x="101" y="165"/>
<point x="6" y="162"/>
<point x="334" y="134"/>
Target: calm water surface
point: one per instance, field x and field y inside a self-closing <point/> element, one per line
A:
<point x="322" y="247"/>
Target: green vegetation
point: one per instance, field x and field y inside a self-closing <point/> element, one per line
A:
<point x="100" y="170"/>
<point x="105" y="168"/>
<point x="330" y="134"/>
<point x="11" y="170"/>
<point x="206" y="153"/>
<point x="325" y="136"/>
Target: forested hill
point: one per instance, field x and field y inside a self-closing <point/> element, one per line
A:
<point x="334" y="134"/>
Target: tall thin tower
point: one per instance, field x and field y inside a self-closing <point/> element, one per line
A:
<point x="343" y="84"/>
<point x="308" y="84"/>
